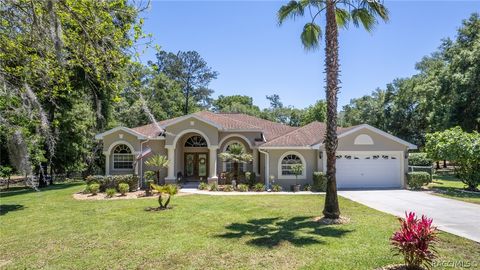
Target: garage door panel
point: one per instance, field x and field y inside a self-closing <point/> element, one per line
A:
<point x="356" y="170"/>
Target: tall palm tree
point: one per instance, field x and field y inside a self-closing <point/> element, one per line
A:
<point x="158" y="162"/>
<point x="338" y="13"/>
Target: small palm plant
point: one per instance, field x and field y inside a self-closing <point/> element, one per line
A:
<point x="297" y="169"/>
<point x="165" y="194"/>
<point x="236" y="154"/>
<point x="158" y="162"/>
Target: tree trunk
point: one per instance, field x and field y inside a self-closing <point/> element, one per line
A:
<point x="331" y="209"/>
<point x="158" y="177"/>
<point x="187" y="94"/>
<point x="8" y="182"/>
<point x="235" y="169"/>
<point x="438" y="165"/>
<point x="444" y="163"/>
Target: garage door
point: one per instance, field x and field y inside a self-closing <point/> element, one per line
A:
<point x="379" y="170"/>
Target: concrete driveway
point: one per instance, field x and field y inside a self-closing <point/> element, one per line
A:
<point x="456" y="217"/>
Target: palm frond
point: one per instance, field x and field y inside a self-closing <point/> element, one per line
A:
<point x="363" y="16"/>
<point x="342" y="17"/>
<point x="290" y="10"/>
<point x="310" y="36"/>
<point x="157" y="161"/>
<point x="376" y="8"/>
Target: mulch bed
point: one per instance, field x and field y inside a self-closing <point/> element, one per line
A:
<point x="140" y="194"/>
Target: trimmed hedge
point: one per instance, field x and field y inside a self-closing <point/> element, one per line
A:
<point x="418" y="179"/>
<point x="319" y="182"/>
<point x="419" y="159"/>
<point x="112" y="181"/>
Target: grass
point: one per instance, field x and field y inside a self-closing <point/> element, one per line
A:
<point x="447" y="185"/>
<point x="50" y="229"/>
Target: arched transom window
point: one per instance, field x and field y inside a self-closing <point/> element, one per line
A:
<point x="196" y="141"/>
<point x="122" y="157"/>
<point x="287" y="161"/>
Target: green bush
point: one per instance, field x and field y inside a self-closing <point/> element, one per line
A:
<point x="319" y="182"/>
<point x="276" y="188"/>
<point x="307" y="187"/>
<point x="123" y="188"/>
<point x="227" y="188"/>
<point x="251" y="178"/>
<point x="242" y="188"/>
<point x="213" y="187"/>
<point x="112" y="181"/>
<point x="418" y="179"/>
<point x="419" y="159"/>
<point x="259" y="187"/>
<point x="110" y="192"/>
<point x="203" y="186"/>
<point x="94" y="188"/>
<point x="87" y="189"/>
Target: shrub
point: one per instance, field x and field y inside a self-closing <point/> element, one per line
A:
<point x="110" y="192"/>
<point x="319" y="181"/>
<point x="414" y="239"/>
<point x="276" y="188"/>
<point x="418" y="179"/>
<point x="167" y="191"/>
<point x="242" y="188"/>
<point x="112" y="181"/>
<point x="203" y="186"/>
<point x="259" y="187"/>
<point x="213" y="187"/>
<point x="86" y="190"/>
<point x="227" y="188"/>
<point x="123" y="188"/>
<point x="251" y="178"/>
<point x="307" y="187"/>
<point x="419" y="159"/>
<point x="94" y="188"/>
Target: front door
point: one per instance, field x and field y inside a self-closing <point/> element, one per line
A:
<point x="196" y="165"/>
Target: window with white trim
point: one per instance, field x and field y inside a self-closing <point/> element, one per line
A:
<point x="122" y="157"/>
<point x="287" y="163"/>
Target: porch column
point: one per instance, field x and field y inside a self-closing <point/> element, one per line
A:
<point x="212" y="172"/>
<point x="171" y="164"/>
<point x="107" y="163"/>
<point x="255" y="161"/>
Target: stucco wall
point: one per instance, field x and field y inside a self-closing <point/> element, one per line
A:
<point x="181" y="127"/>
<point x="109" y="143"/>
<point x="310" y="157"/>
<point x="381" y="143"/>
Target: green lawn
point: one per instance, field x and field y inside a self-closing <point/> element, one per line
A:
<point x="50" y="229"/>
<point x="447" y="185"/>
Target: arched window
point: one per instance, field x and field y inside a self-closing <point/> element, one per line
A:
<point x="122" y="157"/>
<point x="286" y="163"/>
<point x="196" y="141"/>
<point x="228" y="165"/>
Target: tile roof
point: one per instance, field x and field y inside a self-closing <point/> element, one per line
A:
<point x="276" y="134"/>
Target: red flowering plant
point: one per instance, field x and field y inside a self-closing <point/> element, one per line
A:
<point x="415" y="241"/>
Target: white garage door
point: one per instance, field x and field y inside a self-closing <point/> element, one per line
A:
<point x="379" y="170"/>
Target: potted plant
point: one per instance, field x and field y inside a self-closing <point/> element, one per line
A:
<point x="297" y="170"/>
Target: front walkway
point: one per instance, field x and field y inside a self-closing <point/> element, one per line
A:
<point x="456" y="217"/>
<point x="234" y="193"/>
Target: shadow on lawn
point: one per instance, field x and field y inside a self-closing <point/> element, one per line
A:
<point x="5" y="208"/>
<point x="26" y="190"/>
<point x="271" y="232"/>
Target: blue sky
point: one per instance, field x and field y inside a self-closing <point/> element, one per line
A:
<point x="254" y="56"/>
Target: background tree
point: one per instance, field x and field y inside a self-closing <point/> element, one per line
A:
<point x="6" y="173"/>
<point x="193" y="74"/>
<point x="337" y="14"/>
<point x="315" y="112"/>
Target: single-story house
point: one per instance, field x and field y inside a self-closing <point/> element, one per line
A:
<point x="366" y="156"/>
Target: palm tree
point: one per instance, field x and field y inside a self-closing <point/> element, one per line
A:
<point x="339" y="13"/>
<point x="236" y="154"/>
<point x="166" y="190"/>
<point x="158" y="162"/>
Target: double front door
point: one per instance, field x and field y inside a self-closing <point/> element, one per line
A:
<point x="196" y="165"/>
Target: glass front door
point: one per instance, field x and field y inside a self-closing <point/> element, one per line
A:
<point x="196" y="165"/>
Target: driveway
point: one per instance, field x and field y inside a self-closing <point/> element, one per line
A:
<point x="456" y="217"/>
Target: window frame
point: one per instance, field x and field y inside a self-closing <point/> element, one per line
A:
<point x="280" y="174"/>
<point x="114" y="155"/>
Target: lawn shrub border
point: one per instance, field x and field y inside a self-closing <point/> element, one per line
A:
<point x="416" y="180"/>
<point x="112" y="181"/>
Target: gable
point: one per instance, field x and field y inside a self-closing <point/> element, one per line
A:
<point x="368" y="138"/>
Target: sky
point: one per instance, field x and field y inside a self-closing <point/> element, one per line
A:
<point x="254" y="56"/>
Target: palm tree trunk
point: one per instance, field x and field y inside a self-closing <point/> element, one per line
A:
<point x="331" y="209"/>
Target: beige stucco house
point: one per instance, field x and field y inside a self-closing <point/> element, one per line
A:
<point x="366" y="156"/>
